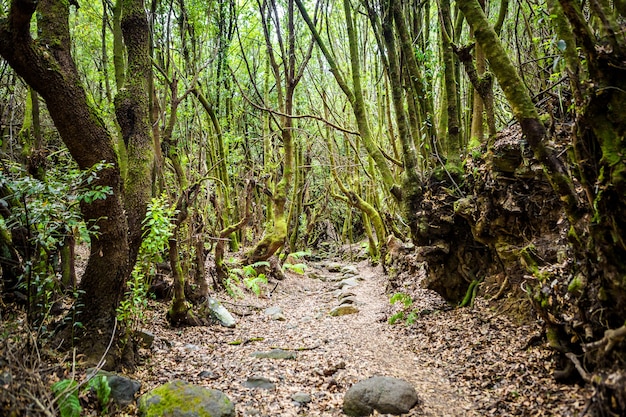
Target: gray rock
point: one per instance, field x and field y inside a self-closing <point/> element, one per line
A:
<point x="259" y="382"/>
<point x="146" y="339"/>
<point x="343" y="310"/>
<point x="182" y="399"/>
<point x="123" y="389"/>
<point x="301" y="398"/>
<point x="347" y="300"/>
<point x="275" y="313"/>
<point x="219" y="313"/>
<point x="350" y="270"/>
<point x="334" y="267"/>
<point x="6" y="378"/>
<point x="316" y="275"/>
<point x="208" y="375"/>
<point x="343" y="293"/>
<point x="348" y="282"/>
<point x="274" y="354"/>
<point x="383" y="394"/>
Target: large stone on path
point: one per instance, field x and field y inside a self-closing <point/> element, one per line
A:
<point x="348" y="282"/>
<point x="219" y="313"/>
<point x="349" y="270"/>
<point x="343" y="310"/>
<point x="275" y="313"/>
<point x="259" y="382"/>
<point x="182" y="399"/>
<point x="383" y="394"/>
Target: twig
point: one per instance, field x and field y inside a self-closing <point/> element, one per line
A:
<point x="583" y="374"/>
<point x="611" y="338"/>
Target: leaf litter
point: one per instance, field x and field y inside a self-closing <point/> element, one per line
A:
<point x="470" y="361"/>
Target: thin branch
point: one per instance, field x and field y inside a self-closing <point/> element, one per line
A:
<point x="293" y="116"/>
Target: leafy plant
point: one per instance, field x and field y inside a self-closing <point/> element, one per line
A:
<point x="232" y="285"/>
<point x="158" y="228"/>
<point x="407" y="314"/>
<point x="254" y="283"/>
<point x="296" y="268"/>
<point x="252" y="279"/>
<point x="100" y="385"/>
<point x="46" y="212"/>
<point x="66" y="393"/>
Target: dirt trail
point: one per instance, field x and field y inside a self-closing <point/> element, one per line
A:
<point x="332" y="352"/>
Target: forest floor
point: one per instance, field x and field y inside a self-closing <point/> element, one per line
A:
<point x="462" y="361"/>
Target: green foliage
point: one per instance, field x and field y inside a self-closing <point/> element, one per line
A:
<point x="296" y="268"/>
<point x="66" y="393"/>
<point x="232" y="283"/>
<point x="100" y="385"/>
<point x="299" y="254"/>
<point x="158" y="228"/>
<point x="251" y="278"/>
<point x="254" y="283"/>
<point x="407" y="314"/>
<point x="48" y="212"/>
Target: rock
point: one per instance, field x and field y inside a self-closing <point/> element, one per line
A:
<point x="146" y="339"/>
<point x="208" y="375"/>
<point x="334" y="267"/>
<point x="190" y="347"/>
<point x="316" y="275"/>
<point x="349" y="270"/>
<point x="182" y="399"/>
<point x="343" y="293"/>
<point x="301" y="398"/>
<point x="259" y="382"/>
<point x="275" y="313"/>
<point x="123" y="389"/>
<point x="343" y="310"/>
<point x="274" y="354"/>
<point x="347" y="300"/>
<point x="383" y="394"/>
<point x="219" y="313"/>
<point x="348" y="282"/>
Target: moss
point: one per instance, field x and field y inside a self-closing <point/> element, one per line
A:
<point x="185" y="399"/>
<point x="576" y="285"/>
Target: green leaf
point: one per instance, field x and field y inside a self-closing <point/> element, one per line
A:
<point x="100" y="384"/>
<point x="66" y="393"/>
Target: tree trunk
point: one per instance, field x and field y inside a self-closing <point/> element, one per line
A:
<point x="523" y="108"/>
<point x="51" y="71"/>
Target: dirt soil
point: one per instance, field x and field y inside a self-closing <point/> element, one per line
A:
<point x="462" y="362"/>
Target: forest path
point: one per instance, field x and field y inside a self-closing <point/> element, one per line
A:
<point x="332" y="353"/>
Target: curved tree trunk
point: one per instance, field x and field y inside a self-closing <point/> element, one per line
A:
<point x="521" y="103"/>
<point x="47" y="66"/>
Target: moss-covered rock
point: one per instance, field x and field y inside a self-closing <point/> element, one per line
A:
<point x="180" y="398"/>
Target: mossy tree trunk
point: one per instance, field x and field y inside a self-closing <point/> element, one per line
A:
<point x="520" y="101"/>
<point x="354" y="94"/>
<point x="286" y="78"/>
<point x="47" y="65"/>
<point x="411" y="184"/>
<point x="453" y="137"/>
<point x="600" y="146"/>
<point x="180" y="309"/>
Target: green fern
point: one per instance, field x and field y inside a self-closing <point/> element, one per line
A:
<point x="296" y="268"/>
<point x="254" y="283"/>
<point x="299" y="254"/>
<point x="66" y="393"/>
<point x="100" y="384"/>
